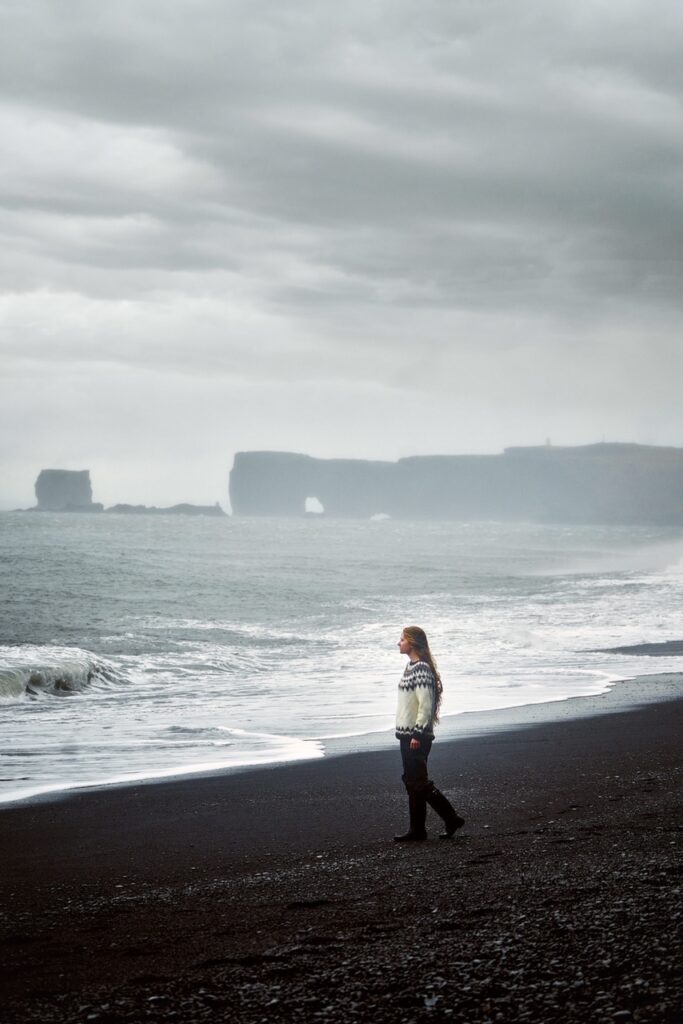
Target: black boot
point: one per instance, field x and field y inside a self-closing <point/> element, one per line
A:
<point x="438" y="802"/>
<point x="417" y="805"/>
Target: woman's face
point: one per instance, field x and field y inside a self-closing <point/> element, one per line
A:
<point x="405" y="646"/>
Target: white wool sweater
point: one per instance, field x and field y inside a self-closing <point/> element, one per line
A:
<point x="416" y="693"/>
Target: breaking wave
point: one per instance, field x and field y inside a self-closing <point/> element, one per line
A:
<point x="33" y="672"/>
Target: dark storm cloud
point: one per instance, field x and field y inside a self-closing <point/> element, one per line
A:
<point x="505" y="130"/>
<point x="290" y="193"/>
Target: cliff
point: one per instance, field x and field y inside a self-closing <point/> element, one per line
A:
<point x="65" y="490"/>
<point x="610" y="483"/>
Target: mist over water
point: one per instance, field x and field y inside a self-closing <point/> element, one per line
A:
<point x="135" y="648"/>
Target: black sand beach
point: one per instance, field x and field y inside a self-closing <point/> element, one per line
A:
<point x="278" y="894"/>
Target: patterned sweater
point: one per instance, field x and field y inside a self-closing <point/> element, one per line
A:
<point x="416" y="692"/>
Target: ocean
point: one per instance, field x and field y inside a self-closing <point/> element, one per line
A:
<point x="143" y="647"/>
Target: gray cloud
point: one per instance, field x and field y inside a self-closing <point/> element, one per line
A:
<point x="253" y="205"/>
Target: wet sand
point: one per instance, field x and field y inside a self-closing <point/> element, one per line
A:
<point x="278" y="894"/>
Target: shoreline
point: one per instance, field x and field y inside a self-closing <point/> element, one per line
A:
<point x="279" y="894"/>
<point x="620" y="695"/>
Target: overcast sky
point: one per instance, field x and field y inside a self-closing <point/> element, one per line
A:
<point x="376" y="229"/>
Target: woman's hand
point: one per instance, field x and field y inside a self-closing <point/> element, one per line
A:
<point x="414" y="744"/>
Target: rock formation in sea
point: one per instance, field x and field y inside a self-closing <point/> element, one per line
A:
<point x="173" y="510"/>
<point x="610" y="483"/>
<point x="65" y="490"/>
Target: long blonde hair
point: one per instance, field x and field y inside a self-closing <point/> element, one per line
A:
<point x="417" y="638"/>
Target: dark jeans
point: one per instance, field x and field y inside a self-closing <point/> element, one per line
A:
<point x="415" y="775"/>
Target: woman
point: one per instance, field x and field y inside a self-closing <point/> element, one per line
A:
<point x="419" y="699"/>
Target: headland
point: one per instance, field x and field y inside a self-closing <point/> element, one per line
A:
<point x="600" y="483"/>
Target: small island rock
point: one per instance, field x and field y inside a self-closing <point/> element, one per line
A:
<point x="65" y="490"/>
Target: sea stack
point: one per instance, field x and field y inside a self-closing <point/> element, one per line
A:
<point x="65" y="490"/>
